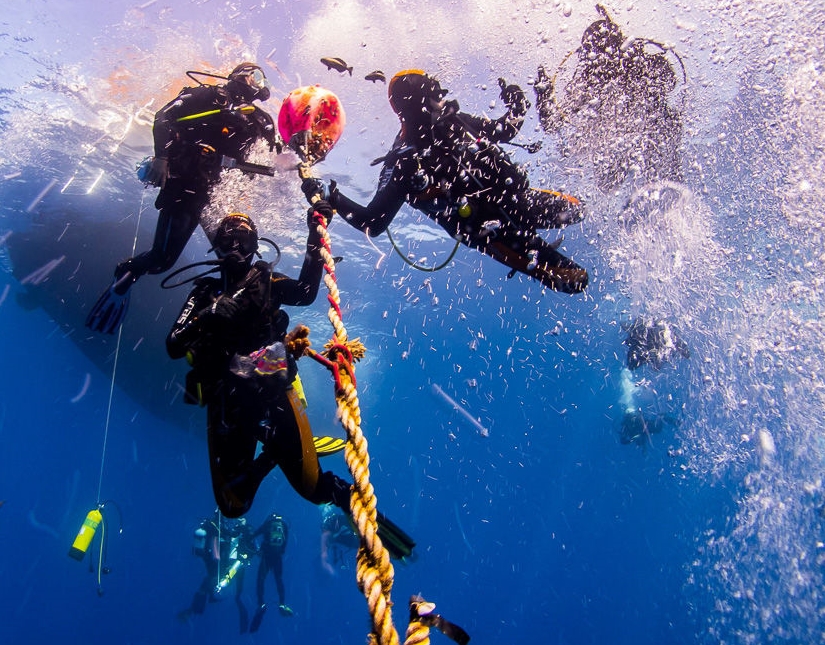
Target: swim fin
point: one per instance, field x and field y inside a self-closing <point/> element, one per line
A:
<point x="396" y="541"/>
<point x="328" y="445"/>
<point x="110" y="309"/>
<point x="256" y="619"/>
<point x="543" y="263"/>
<point x="423" y="612"/>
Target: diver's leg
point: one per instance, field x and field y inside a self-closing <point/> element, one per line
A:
<point x="278" y="573"/>
<point x="292" y="444"/>
<point x="551" y="209"/>
<point x="174" y="228"/>
<point x="202" y="594"/>
<point x="538" y="259"/>
<point x="243" y="613"/>
<point x="236" y="474"/>
<point x="179" y="209"/>
<point x="263" y="570"/>
<point x="260" y="583"/>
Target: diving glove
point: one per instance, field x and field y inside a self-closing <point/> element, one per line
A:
<point x="110" y="309"/>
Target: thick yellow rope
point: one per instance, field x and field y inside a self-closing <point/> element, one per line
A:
<point x="417" y="633"/>
<point x="374" y="569"/>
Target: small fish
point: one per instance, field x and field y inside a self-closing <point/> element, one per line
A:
<point x="338" y="64"/>
<point x="377" y="75"/>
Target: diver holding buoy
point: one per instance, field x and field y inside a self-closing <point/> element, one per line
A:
<point x="274" y="534"/>
<point x="450" y="166"/>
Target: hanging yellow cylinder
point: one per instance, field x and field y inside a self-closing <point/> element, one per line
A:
<point x="85" y="534"/>
<point x="236" y="566"/>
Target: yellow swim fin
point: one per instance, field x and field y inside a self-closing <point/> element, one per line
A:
<point x="328" y="445"/>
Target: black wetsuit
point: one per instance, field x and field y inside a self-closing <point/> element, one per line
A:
<point x="452" y="169"/>
<point x="220" y="322"/>
<point x="275" y="532"/>
<point x="194" y="148"/>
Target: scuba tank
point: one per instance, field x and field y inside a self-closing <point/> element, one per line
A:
<point x="86" y="534"/>
<point x="277" y="535"/>
<point x="199" y="541"/>
<point x="227" y="578"/>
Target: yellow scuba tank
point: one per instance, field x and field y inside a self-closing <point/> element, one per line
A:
<point x="86" y="534"/>
<point x="236" y="566"/>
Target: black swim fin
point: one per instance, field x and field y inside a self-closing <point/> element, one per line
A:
<point x="109" y="310"/>
<point x="422" y="611"/>
<point x="256" y="619"/>
<point x="396" y="541"/>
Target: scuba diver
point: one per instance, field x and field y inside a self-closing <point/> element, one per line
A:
<point x="232" y="331"/>
<point x="652" y="342"/>
<point x="337" y="534"/>
<point x="641" y="416"/>
<point x="275" y="533"/>
<point x="194" y="135"/>
<point x="617" y="103"/>
<point x="637" y="427"/>
<point x="448" y="165"/>
<point x="226" y="548"/>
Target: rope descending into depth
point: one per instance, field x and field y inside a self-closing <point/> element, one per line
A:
<point x="374" y="569"/>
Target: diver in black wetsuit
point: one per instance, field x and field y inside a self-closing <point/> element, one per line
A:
<point x="226" y="548"/>
<point x="337" y="534"/>
<point x="618" y="103"/>
<point x="449" y="165"/>
<point x="233" y="333"/>
<point x="225" y="320"/>
<point x="275" y="534"/>
<point x="192" y="133"/>
<point x="652" y="342"/>
<point x="637" y="427"/>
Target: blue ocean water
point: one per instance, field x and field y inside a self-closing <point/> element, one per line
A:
<point x="533" y="523"/>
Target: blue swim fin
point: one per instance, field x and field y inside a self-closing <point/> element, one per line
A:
<point x="109" y="310"/>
